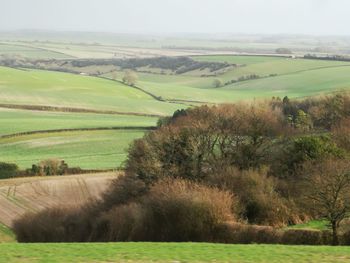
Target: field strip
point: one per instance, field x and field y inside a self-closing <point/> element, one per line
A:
<point x="36" y="48"/>
<point x="177" y="101"/>
<point x="287" y="74"/>
<point x="37" y="193"/>
<point x="32" y="179"/>
<point x="312" y="69"/>
<point x="184" y="102"/>
<point x="145" y="128"/>
<point x="75" y="156"/>
<point x="76" y="110"/>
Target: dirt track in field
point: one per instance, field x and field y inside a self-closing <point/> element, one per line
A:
<point x="20" y="195"/>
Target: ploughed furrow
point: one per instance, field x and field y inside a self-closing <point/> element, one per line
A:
<point x="21" y="195"/>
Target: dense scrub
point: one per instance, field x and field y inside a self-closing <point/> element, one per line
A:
<point x="177" y="65"/>
<point x="172" y="210"/>
<point x="8" y="170"/>
<point x="210" y="173"/>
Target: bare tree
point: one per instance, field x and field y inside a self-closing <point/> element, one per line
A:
<point x="217" y="83"/>
<point x="130" y="78"/>
<point x="114" y="75"/>
<point x="327" y="191"/>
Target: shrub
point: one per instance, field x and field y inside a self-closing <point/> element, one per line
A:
<point x="259" y="201"/>
<point x="172" y="210"/>
<point x="49" y="167"/>
<point x="123" y="190"/>
<point x="249" y="234"/>
<point x="178" y="210"/>
<point x="121" y="223"/>
<point x="217" y="83"/>
<point x="8" y="170"/>
<point x="345" y="238"/>
<point x="306" y="237"/>
<point x="58" y="224"/>
<point x="46" y="226"/>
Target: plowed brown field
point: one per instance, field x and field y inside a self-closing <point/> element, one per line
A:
<point x="20" y="195"/>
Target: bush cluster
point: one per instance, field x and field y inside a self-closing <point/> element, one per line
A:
<point x="171" y="210"/>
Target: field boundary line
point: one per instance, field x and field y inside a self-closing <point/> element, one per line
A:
<point x="121" y="128"/>
<point x="158" y="98"/>
<point x="72" y="110"/>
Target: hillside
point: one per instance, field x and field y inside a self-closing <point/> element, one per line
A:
<point x="90" y="121"/>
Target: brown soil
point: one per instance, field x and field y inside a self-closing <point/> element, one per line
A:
<point x="20" y="195"/>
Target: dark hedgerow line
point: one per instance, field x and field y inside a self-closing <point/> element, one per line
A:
<point x="75" y="110"/>
<point x="147" y="128"/>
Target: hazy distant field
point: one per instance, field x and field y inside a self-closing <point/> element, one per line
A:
<point x="277" y="77"/>
<point x="246" y="60"/>
<point x="28" y="51"/>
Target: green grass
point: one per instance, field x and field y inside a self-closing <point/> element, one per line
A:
<point x="301" y="84"/>
<point x="295" y="78"/>
<point x="16" y="121"/>
<point x="6" y="235"/>
<point x="35" y="87"/>
<point x="313" y="225"/>
<point x="85" y="149"/>
<point x="306" y="83"/>
<point x="170" y="252"/>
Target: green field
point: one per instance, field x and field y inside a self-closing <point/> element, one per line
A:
<point x="278" y="77"/>
<point x="313" y="225"/>
<point x="170" y="252"/>
<point x="35" y="87"/>
<point x="29" y="51"/>
<point x="305" y="83"/>
<point x="17" y="121"/>
<point x="85" y="149"/>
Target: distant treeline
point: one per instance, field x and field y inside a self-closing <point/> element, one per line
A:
<point x="332" y="58"/>
<point x="178" y="65"/>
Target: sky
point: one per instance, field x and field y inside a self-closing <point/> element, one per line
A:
<point x="315" y="17"/>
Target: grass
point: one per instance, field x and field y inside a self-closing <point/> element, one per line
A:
<point x="279" y="77"/>
<point x="35" y="87"/>
<point x="16" y="121"/>
<point x="312" y="225"/>
<point x="85" y="149"/>
<point x="6" y="235"/>
<point x="301" y="84"/>
<point x="170" y="252"/>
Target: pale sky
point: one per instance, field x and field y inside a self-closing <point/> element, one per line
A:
<point x="317" y="17"/>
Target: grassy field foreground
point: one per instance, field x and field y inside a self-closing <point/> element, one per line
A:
<point x="169" y="252"/>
